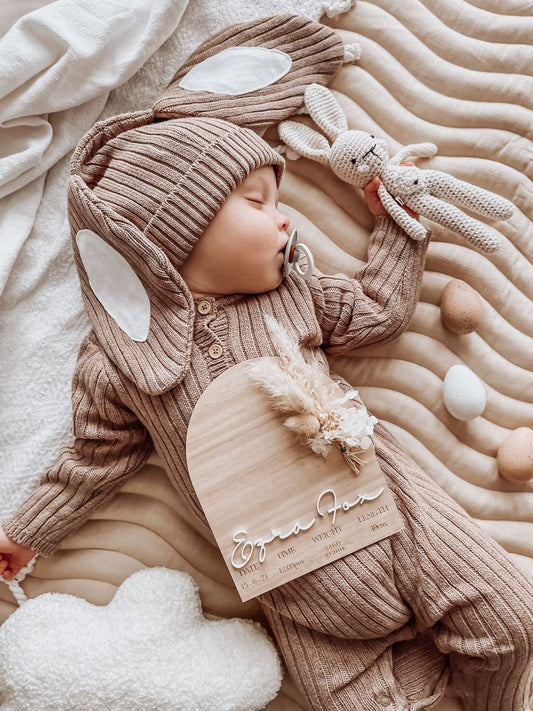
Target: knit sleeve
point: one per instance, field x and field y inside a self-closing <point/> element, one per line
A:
<point x="109" y="445"/>
<point x="378" y="303"/>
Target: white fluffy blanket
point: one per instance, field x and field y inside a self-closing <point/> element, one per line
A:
<point x="63" y="67"/>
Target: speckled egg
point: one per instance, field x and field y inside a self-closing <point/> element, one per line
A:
<point x="463" y="393"/>
<point x="461" y="308"/>
<point x="515" y="455"/>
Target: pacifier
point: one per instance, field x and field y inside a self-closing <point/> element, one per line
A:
<point x="293" y="252"/>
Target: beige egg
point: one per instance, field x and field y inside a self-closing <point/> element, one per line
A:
<point x="515" y="455"/>
<point x="461" y="307"/>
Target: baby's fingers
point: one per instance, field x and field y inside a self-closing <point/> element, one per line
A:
<point x="8" y="567"/>
<point x="5" y="570"/>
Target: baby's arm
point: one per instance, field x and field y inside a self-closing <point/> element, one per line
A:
<point x="110" y="444"/>
<point x="376" y="305"/>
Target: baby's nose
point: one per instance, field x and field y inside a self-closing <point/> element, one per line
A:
<point x="285" y="221"/>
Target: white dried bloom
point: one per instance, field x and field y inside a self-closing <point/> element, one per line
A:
<point x="354" y="425"/>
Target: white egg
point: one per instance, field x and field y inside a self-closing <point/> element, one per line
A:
<point x="463" y="393"/>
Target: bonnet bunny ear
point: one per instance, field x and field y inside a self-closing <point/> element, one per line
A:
<point x="254" y="73"/>
<point x="127" y="312"/>
<point x="125" y="300"/>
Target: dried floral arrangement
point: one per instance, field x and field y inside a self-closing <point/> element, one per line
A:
<point x="318" y="416"/>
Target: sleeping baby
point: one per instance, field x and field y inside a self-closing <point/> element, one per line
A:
<point x="192" y="205"/>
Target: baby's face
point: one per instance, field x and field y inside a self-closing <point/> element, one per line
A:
<point x="241" y="251"/>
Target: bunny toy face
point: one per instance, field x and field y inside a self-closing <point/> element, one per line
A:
<point x="357" y="157"/>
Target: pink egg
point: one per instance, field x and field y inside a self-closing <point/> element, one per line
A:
<point x="515" y="455"/>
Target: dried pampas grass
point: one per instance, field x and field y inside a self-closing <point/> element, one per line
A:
<point x="302" y="390"/>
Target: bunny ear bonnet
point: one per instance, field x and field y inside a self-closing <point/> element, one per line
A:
<point x="144" y="186"/>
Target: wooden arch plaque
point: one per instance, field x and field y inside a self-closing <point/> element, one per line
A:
<point x="277" y="509"/>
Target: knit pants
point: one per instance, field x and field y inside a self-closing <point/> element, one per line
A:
<point x="388" y="626"/>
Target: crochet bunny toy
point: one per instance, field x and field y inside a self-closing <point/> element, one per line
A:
<point x="358" y="157"/>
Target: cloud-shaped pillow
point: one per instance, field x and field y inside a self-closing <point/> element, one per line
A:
<point x="150" y="649"/>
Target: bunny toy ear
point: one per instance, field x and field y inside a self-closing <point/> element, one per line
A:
<point x="325" y="111"/>
<point x="305" y="141"/>
<point x="254" y="74"/>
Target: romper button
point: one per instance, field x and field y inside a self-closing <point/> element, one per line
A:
<point x="215" y="351"/>
<point x="383" y="698"/>
<point x="204" y="307"/>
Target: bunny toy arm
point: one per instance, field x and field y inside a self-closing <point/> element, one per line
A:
<point x="416" y="150"/>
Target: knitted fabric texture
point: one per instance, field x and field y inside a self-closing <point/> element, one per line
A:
<point x="148" y="183"/>
<point x="150" y="192"/>
<point x="316" y="52"/>
<point x="109" y="409"/>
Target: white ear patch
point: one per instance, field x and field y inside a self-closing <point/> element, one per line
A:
<point x="115" y="284"/>
<point x="237" y="70"/>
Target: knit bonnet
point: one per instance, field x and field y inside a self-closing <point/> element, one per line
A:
<point x="169" y="178"/>
<point x="144" y="186"/>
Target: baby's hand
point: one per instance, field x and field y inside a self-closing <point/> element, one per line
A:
<point x="13" y="556"/>
<point x="374" y="203"/>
